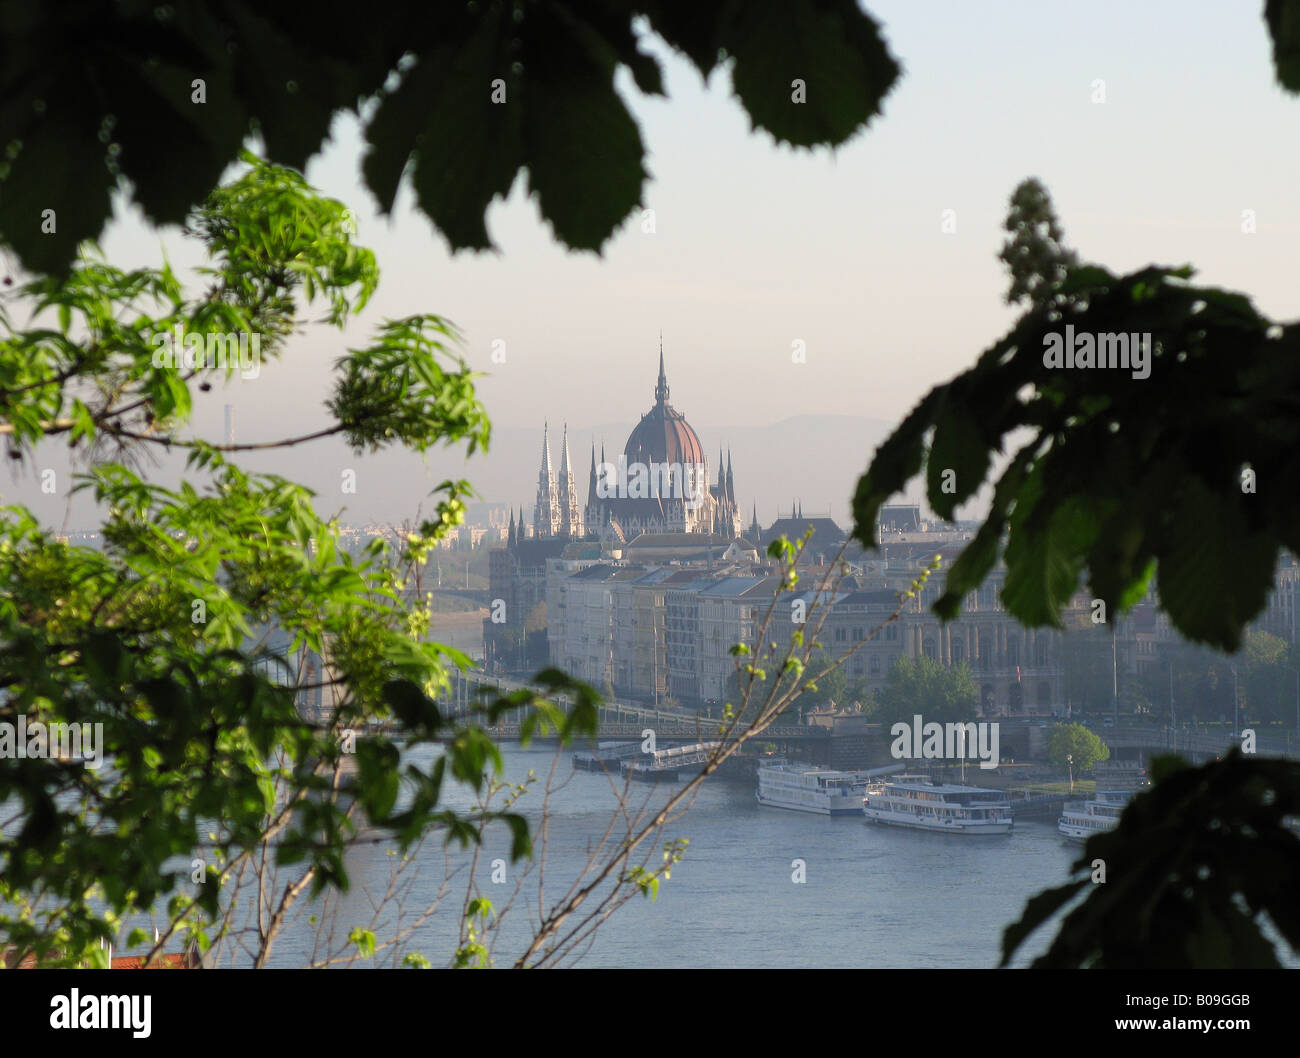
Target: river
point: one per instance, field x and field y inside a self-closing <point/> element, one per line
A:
<point x="871" y="896"/>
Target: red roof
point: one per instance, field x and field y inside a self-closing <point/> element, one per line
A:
<point x="187" y="960"/>
<point x="165" y="961"/>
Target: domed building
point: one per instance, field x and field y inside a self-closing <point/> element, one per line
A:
<point x="660" y="484"/>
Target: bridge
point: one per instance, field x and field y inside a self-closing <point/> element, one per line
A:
<point x="1197" y="745"/>
<point x="620" y="720"/>
<point x="695" y="729"/>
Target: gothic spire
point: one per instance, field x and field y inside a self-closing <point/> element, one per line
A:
<point x="570" y="511"/>
<point x="546" y="452"/>
<point x="510" y="536"/>
<point x="661" y="389"/>
<point x="731" y="480"/>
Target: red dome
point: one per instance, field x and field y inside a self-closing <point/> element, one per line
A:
<point x="663" y="435"/>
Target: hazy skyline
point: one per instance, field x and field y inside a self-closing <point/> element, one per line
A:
<point x="757" y="246"/>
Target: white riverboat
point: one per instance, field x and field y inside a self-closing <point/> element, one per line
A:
<point x="1080" y="820"/>
<point x="804" y="788"/>
<point x="919" y="804"/>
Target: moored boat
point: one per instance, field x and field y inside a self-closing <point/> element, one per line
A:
<point x="1080" y="820"/>
<point x="804" y="788"/>
<point x="918" y="804"/>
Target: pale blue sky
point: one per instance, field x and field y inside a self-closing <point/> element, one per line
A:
<point x="758" y="245"/>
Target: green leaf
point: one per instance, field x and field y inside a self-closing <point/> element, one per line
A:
<point x="56" y="193"/>
<point x="1044" y="559"/>
<point x="959" y="455"/>
<point x="1037" y="911"/>
<point x="521" y="843"/>
<point x="1208" y="598"/>
<point x="363" y="940"/>
<point x="1283" y="17"/>
<point x="584" y="157"/>
<point x="834" y="49"/>
<point x="470" y="147"/>
<point x="1086" y="279"/>
<point x="897" y="461"/>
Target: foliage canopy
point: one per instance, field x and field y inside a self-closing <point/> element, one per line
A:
<point x="167" y="635"/>
<point x="465" y="97"/>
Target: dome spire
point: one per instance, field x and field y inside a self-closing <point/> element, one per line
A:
<point x="661" y="389"/>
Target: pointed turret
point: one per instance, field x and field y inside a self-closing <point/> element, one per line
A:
<point x="731" y="480"/>
<point x="510" y="535"/>
<point x="593" y="515"/>
<point x="607" y="482"/>
<point x="567" y="494"/>
<point x="546" y="451"/>
<point x="546" y="517"/>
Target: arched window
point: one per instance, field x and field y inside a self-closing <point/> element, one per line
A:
<point x="927" y="648"/>
<point x="874" y="664"/>
<point x="958" y="651"/>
